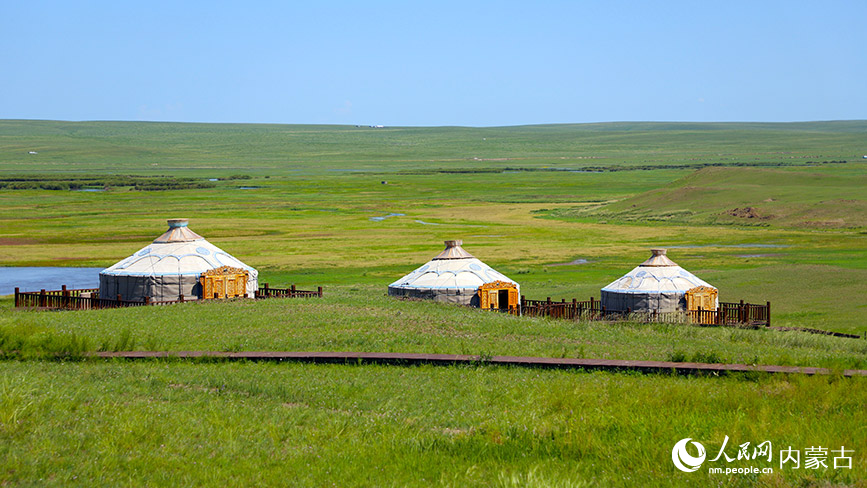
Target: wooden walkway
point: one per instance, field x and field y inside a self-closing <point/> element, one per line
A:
<point x="453" y="359"/>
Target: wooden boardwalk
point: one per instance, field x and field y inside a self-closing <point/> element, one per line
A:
<point x="453" y="359"/>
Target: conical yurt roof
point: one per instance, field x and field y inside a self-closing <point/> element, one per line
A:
<point x="453" y="268"/>
<point x="178" y="251"/>
<point x="658" y="274"/>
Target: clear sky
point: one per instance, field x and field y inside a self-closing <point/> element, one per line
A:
<point x="434" y="63"/>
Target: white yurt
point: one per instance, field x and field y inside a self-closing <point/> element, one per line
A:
<point x="178" y="263"/>
<point x="456" y="276"/>
<point x="659" y="284"/>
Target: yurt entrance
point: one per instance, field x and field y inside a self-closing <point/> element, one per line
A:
<point x="701" y="297"/>
<point x="224" y="282"/>
<point x="499" y="295"/>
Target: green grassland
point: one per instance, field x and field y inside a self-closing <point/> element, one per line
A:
<point x="526" y="200"/>
<point x="170" y="423"/>
<point x="145" y="148"/>
<point x="795" y="197"/>
<point x="360" y="319"/>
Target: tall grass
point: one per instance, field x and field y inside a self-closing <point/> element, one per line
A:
<point x="28" y="342"/>
<point x="309" y="425"/>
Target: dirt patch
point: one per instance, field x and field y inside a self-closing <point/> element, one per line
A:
<point x="15" y="241"/>
<point x="747" y="213"/>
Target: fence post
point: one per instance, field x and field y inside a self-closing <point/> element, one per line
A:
<point x="741" y="313"/>
<point x="119" y="298"/>
<point x="42" y="298"/>
<point x="769" y="314"/>
<point x="16" y="297"/>
<point x="266" y="290"/>
<point x="319" y="290"/>
<point x="181" y="298"/>
<point x="147" y="300"/>
<point x="216" y="295"/>
<point x="292" y="289"/>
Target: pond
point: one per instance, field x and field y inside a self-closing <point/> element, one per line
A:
<point x="380" y="219"/>
<point x="49" y="278"/>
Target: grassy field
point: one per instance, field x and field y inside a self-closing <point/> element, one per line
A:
<point x="526" y="200"/>
<point x="780" y="197"/>
<point x="360" y="319"/>
<point x="169" y="423"/>
<point x="219" y="149"/>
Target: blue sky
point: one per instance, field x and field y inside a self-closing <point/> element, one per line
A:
<point x="434" y="63"/>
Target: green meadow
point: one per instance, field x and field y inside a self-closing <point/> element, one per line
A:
<point x="240" y="424"/>
<point x="765" y="212"/>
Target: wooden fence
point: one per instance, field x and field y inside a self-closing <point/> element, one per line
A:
<point x="727" y="314"/>
<point x="89" y="299"/>
<point x="291" y="292"/>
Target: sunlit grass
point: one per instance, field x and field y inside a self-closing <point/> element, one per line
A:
<point x="363" y="319"/>
<point x="198" y="424"/>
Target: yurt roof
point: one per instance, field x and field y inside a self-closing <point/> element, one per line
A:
<point x="178" y="232"/>
<point x="179" y="251"/>
<point x="658" y="274"/>
<point x="454" y="268"/>
<point x="453" y="250"/>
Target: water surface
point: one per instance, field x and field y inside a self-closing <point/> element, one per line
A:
<point x="48" y="278"/>
<point x="381" y="218"/>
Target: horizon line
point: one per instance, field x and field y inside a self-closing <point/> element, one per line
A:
<point x="388" y="126"/>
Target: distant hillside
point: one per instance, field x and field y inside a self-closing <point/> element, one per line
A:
<point x="858" y="126"/>
<point x="156" y="148"/>
<point x="827" y="196"/>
